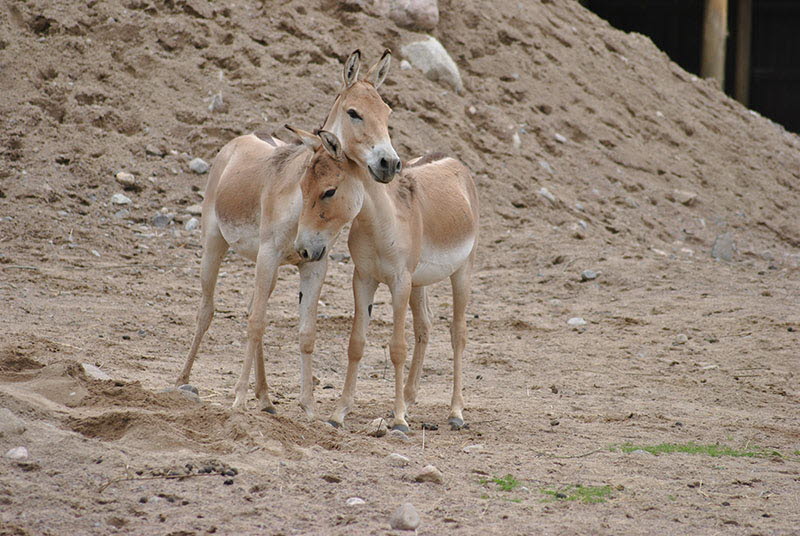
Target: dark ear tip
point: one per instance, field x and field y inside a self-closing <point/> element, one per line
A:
<point x="386" y="52"/>
<point x="356" y="52"/>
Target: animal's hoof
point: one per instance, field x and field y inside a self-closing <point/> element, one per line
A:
<point x="334" y="423"/>
<point x="402" y="427"/>
<point x="270" y="410"/>
<point x="190" y="388"/>
<point x="456" y="423"/>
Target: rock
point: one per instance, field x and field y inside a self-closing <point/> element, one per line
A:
<point x="560" y="139"/>
<point x="17" y="453"/>
<point x="684" y="197"/>
<point x="190" y="388"/>
<point x="516" y="141"/>
<point x="199" y="166"/>
<point x="10" y="424"/>
<point x="473" y="448"/>
<point x="398" y="459"/>
<point x="544" y="192"/>
<point x="724" y="247"/>
<point x="377" y="428"/>
<point x="94" y="372"/>
<point x="194" y="210"/>
<point x="576" y="321"/>
<point x="152" y="150"/>
<point x="120" y="199"/>
<point x="404" y="65"/>
<point x="416" y="14"/>
<point x="432" y="59"/>
<point x="217" y="104"/>
<point x="191" y="224"/>
<point x="161" y="220"/>
<point x="429" y="473"/>
<point x="127" y="181"/>
<point x="681" y="338"/>
<point x="355" y="501"/>
<point x="405" y="517"/>
<point x="588" y="275"/>
<point x="546" y="166"/>
<point x="398" y="435"/>
<point x="122" y="213"/>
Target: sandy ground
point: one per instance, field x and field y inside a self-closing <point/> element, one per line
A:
<point x="678" y="347"/>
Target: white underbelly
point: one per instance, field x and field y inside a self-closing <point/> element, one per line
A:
<point x="436" y="264"/>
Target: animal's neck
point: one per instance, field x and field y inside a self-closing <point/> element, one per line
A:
<point x="380" y="213"/>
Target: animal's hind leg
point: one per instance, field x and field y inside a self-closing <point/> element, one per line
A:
<point x="421" y="311"/>
<point x="460" y="281"/>
<point x="214" y="250"/>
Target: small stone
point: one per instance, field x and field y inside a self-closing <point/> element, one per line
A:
<point x="122" y="213"/>
<point x="640" y="452"/>
<point x="199" y="166"/>
<point x="398" y="435"/>
<point x="377" y="428"/>
<point x="404" y="65"/>
<point x="473" y="448"/>
<point x="560" y="139"/>
<point x="681" y="338"/>
<point x="684" y="198"/>
<point x="190" y="388"/>
<point x="405" y="517"/>
<point x="120" y="199"/>
<point x="127" y="181"/>
<point x="588" y="275"/>
<point x="546" y="166"/>
<point x="217" y="104"/>
<point x="152" y="150"/>
<point x="94" y="372"/>
<point x="544" y="192"/>
<point x="17" y="453"/>
<point x="398" y="459"/>
<point x="576" y="321"/>
<point x="429" y="473"/>
<point x="516" y="141"/>
<point x="194" y="210"/>
<point x="723" y="247"/>
<point x="10" y="424"/>
<point x="355" y="501"/>
<point x="191" y="224"/>
<point x="472" y="110"/>
<point x="161" y="220"/>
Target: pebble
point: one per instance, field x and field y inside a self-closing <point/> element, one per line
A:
<point x="122" y="213"/>
<point x="126" y="180"/>
<point x="217" y="104"/>
<point x="398" y="459"/>
<point x="199" y="166"/>
<point x="723" y="247"/>
<point x="17" y="453"/>
<point x="404" y="65"/>
<point x="10" y="424"/>
<point x="546" y="166"/>
<point x="544" y="192"/>
<point x="588" y="275"/>
<point x="681" y="338"/>
<point x="684" y="198"/>
<point x="377" y="428"/>
<point x="405" y="517"/>
<point x="355" y="501"/>
<point x="560" y="139"/>
<point x="152" y="150"/>
<point x="473" y="448"/>
<point x="191" y="224"/>
<point x="194" y="210"/>
<point x="430" y="473"/>
<point x="515" y="139"/>
<point x="94" y="372"/>
<point x="120" y="199"/>
<point x="576" y="321"/>
<point x="161" y="220"/>
<point x="399" y="435"/>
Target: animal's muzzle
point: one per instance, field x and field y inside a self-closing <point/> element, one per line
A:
<point x="312" y="254"/>
<point x="386" y="169"/>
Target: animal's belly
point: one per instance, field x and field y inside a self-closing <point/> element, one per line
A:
<point x="439" y="263"/>
<point x="243" y="239"/>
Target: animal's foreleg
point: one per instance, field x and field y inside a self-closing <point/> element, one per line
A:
<point x="312" y="275"/>
<point x="397" y="349"/>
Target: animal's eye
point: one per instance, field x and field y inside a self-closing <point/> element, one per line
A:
<point x="354" y="114"/>
<point x="328" y="193"/>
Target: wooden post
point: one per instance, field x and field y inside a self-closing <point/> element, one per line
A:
<point x="744" y="31"/>
<point x="715" y="31"/>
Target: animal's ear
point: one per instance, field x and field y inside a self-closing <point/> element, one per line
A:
<point x="308" y="139"/>
<point x="351" y="66"/>
<point x="377" y="73"/>
<point x="331" y="144"/>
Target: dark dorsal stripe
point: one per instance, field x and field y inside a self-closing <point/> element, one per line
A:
<point x="427" y="159"/>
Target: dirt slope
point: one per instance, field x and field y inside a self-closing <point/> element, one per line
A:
<point x="645" y="166"/>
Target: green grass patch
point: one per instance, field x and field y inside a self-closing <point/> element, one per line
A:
<point x="715" y="451"/>
<point x="584" y="494"/>
<point x="504" y="483"/>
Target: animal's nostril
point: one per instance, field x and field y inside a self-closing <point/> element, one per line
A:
<point x="398" y="166"/>
<point x="384" y="163"/>
<point x="304" y="253"/>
